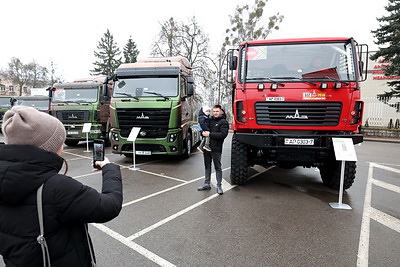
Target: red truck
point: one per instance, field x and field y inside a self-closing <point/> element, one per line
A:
<point x="290" y="98"/>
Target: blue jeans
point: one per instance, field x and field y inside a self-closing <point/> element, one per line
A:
<point x="216" y="158"/>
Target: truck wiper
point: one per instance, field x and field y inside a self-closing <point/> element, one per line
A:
<point x="329" y="78"/>
<point x="157" y="94"/>
<point x="128" y="95"/>
<point x="63" y="102"/>
<point x="265" y="79"/>
<point x="294" y="78"/>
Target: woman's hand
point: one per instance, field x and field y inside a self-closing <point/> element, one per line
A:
<point x="102" y="163"/>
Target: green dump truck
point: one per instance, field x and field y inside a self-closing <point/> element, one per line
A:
<point x="155" y="95"/>
<point x="80" y="102"/>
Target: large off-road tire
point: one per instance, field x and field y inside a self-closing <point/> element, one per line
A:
<point x="239" y="162"/>
<point x="187" y="146"/>
<point x="330" y="174"/>
<point x="71" y="142"/>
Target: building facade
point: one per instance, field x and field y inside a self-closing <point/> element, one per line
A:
<point x="378" y="112"/>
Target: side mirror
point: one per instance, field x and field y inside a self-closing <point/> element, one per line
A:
<point x="12" y="101"/>
<point x="190" y="89"/>
<point x="361" y="64"/>
<point x="233" y="63"/>
<point x="51" y="91"/>
<point x="105" y="91"/>
<point x="190" y="86"/>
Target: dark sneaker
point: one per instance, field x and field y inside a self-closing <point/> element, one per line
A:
<point x="219" y="190"/>
<point x="204" y="187"/>
<point x="200" y="149"/>
<point x="207" y="148"/>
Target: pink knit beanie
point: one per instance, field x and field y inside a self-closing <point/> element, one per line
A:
<point x="28" y="126"/>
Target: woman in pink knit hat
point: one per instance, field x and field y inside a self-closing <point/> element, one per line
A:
<point x="29" y="159"/>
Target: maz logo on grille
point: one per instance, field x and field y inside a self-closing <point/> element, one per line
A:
<point x="297" y="116"/>
<point x="72" y="116"/>
<point x="142" y="117"/>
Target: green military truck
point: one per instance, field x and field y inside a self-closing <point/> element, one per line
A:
<point x="80" y="102"/>
<point x="155" y="94"/>
<point x="41" y="103"/>
<point x="5" y="104"/>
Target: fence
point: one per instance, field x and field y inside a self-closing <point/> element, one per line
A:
<point x="381" y="112"/>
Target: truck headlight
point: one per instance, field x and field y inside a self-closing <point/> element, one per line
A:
<point x="115" y="137"/>
<point x="172" y="137"/>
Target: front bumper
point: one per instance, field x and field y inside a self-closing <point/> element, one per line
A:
<point x="74" y="131"/>
<point x="169" y="145"/>
<point x="321" y="141"/>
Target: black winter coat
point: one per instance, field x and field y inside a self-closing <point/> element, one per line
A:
<point x="219" y="128"/>
<point x="67" y="205"/>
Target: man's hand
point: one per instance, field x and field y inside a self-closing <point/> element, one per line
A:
<point x="206" y="133"/>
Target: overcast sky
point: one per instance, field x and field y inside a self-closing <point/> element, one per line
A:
<point x="67" y="32"/>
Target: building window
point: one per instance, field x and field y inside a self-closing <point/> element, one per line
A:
<point x="2" y="87"/>
<point x="11" y="88"/>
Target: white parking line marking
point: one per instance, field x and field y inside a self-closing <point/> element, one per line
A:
<point x="166" y="190"/>
<point x="77" y="155"/>
<point x="75" y="159"/>
<point x="387" y="186"/>
<point x="164" y="176"/>
<point x="170" y="218"/>
<point x="385" y="219"/>
<point x="363" y="246"/>
<point x="386" y="164"/>
<point x="134" y="246"/>
<point x="226" y="187"/>
<point x="371" y="213"/>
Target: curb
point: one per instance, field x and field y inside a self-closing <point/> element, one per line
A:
<point x="381" y="139"/>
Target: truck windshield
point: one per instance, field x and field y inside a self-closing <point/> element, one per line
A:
<point x="286" y="62"/>
<point x="75" y="95"/>
<point x="5" y="102"/>
<point x="146" y="87"/>
<point x="38" y="104"/>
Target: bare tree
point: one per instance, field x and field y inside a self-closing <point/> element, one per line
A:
<point x="248" y="24"/>
<point x="18" y="73"/>
<point x="38" y="75"/>
<point x="52" y="72"/>
<point x="167" y="42"/>
<point x="187" y="39"/>
<point x="28" y="75"/>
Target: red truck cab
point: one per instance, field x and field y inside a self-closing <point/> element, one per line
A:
<point x="290" y="98"/>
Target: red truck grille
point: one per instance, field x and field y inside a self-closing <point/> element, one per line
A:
<point x="298" y="113"/>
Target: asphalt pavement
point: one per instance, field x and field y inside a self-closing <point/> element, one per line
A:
<point x="279" y="218"/>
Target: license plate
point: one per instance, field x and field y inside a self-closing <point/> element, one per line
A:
<point x="299" y="141"/>
<point x="73" y="132"/>
<point x="146" y="153"/>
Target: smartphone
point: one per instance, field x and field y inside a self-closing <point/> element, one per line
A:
<point x="98" y="152"/>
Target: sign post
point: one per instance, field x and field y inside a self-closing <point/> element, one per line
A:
<point x="86" y="129"/>
<point x="344" y="151"/>
<point x="132" y="137"/>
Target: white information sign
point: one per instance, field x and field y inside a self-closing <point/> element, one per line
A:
<point x="86" y="127"/>
<point x="133" y="134"/>
<point x="344" y="149"/>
